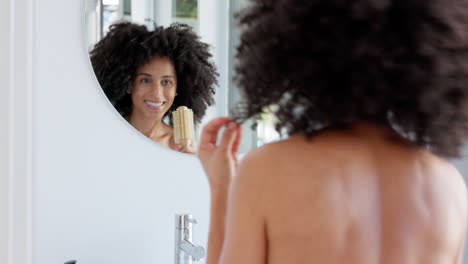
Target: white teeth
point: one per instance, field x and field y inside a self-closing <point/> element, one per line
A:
<point x="154" y="104"/>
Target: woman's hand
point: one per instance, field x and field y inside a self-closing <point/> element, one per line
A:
<point x="220" y="165"/>
<point x="220" y="161"/>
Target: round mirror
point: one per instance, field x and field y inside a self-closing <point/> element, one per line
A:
<point x="148" y="67"/>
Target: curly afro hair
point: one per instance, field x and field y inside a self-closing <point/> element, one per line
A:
<point x="128" y="46"/>
<point x="329" y="64"/>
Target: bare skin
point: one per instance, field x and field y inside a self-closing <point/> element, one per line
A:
<point x="355" y="196"/>
<point x="161" y="133"/>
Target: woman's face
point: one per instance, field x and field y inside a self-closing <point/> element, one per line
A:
<point x="154" y="88"/>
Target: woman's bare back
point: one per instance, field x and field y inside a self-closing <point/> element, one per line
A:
<point x="360" y="196"/>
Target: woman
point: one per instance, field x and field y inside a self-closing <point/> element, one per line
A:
<point x="374" y="96"/>
<point x="147" y="74"/>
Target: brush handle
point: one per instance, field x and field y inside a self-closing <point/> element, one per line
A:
<point x="184" y="132"/>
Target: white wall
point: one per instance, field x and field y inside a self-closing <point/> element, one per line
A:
<point x="142" y="12"/>
<point x="162" y="14"/>
<point x="4" y="133"/>
<point x="103" y="193"/>
<point x="15" y="132"/>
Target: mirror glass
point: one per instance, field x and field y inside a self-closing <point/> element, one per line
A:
<point x="214" y="25"/>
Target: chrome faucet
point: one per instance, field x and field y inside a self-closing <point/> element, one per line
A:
<point x="185" y="250"/>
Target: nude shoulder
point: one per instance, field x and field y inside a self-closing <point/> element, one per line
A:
<point x="280" y="155"/>
<point x="297" y="147"/>
<point x="455" y="181"/>
<point x="266" y="153"/>
<point x="447" y="173"/>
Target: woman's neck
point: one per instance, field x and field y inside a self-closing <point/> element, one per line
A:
<point x="373" y="131"/>
<point x="152" y="128"/>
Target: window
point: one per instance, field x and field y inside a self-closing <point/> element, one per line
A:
<point x="110" y="14"/>
<point x="186" y="12"/>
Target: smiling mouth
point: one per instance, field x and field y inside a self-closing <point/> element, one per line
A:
<point x="154" y="105"/>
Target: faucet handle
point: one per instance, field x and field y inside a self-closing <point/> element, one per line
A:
<point x="190" y="219"/>
<point x="185" y="221"/>
<point x="196" y="252"/>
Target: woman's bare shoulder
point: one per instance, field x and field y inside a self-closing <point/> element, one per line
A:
<point x="272" y="150"/>
<point x="297" y="147"/>
<point x="282" y="154"/>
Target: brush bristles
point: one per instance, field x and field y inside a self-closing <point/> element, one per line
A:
<point x="184" y="132"/>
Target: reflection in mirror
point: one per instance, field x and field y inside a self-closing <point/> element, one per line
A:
<point x="146" y="70"/>
<point x="264" y="131"/>
<point x="100" y="14"/>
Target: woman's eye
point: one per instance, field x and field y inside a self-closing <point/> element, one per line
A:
<point x="166" y="82"/>
<point x="145" y="80"/>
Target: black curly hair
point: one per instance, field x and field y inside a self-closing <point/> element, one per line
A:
<point x="331" y="63"/>
<point x="128" y="46"/>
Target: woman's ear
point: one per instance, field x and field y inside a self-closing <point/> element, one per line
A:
<point x="129" y="90"/>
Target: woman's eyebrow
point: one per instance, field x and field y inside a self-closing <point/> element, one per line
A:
<point x="149" y="75"/>
<point x="145" y="74"/>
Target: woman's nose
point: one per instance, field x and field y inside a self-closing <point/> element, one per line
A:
<point x="157" y="90"/>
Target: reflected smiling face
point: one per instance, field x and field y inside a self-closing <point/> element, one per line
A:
<point x="154" y="88"/>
